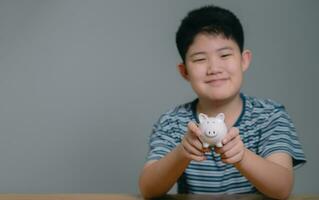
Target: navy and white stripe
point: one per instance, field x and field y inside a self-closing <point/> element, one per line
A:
<point x="265" y="127"/>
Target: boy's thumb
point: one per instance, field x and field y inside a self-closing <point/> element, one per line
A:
<point x="194" y="128"/>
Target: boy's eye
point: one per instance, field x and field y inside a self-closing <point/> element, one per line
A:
<point x="225" y="55"/>
<point x="199" y="60"/>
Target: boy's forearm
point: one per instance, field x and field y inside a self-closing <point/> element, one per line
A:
<point x="268" y="177"/>
<point x="157" y="178"/>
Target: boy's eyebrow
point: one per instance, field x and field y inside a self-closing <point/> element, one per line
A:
<point x="197" y="53"/>
<point x="225" y="48"/>
<point x="220" y="49"/>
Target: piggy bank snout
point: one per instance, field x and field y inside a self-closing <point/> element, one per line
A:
<point x="211" y="133"/>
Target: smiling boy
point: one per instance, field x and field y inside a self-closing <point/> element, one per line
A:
<point x="261" y="147"/>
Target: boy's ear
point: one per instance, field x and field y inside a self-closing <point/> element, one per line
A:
<point x="246" y="58"/>
<point x="183" y="71"/>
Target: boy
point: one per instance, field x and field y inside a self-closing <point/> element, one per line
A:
<point x="261" y="146"/>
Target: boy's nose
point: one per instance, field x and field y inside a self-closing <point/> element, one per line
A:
<point x="213" y="67"/>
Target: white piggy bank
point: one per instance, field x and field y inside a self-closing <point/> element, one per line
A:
<point x="213" y="129"/>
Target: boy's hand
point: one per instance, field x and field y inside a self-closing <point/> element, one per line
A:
<point x="233" y="149"/>
<point x="191" y="145"/>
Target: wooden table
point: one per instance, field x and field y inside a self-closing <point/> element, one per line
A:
<point x="137" y="197"/>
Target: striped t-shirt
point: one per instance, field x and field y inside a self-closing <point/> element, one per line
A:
<point x="264" y="126"/>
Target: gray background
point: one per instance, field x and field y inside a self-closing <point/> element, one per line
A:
<point x="82" y="82"/>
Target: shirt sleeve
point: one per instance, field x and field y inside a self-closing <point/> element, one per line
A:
<point x="279" y="135"/>
<point x="161" y="140"/>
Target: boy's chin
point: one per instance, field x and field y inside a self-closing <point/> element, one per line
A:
<point x="222" y="96"/>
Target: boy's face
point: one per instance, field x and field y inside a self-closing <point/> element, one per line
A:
<point x="214" y="67"/>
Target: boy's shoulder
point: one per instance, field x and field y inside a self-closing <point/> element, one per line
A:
<point x="262" y="105"/>
<point x="178" y="111"/>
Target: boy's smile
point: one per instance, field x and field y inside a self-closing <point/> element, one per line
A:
<point x="216" y="82"/>
<point x="214" y="67"/>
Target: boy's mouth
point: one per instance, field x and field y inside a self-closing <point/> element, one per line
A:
<point x="216" y="82"/>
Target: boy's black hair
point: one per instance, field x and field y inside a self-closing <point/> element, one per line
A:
<point x="212" y="20"/>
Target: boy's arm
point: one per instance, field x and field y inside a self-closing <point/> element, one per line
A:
<point x="273" y="176"/>
<point x="159" y="176"/>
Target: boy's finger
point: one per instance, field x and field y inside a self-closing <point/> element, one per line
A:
<point x="232" y="152"/>
<point x="233" y="159"/>
<point x="218" y="150"/>
<point x="191" y="149"/>
<point x="194" y="128"/>
<point x="206" y="150"/>
<point x="232" y="133"/>
<point x="194" y="142"/>
<point x="198" y="158"/>
<point x="229" y="145"/>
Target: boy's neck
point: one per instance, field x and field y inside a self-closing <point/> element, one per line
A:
<point x="231" y="107"/>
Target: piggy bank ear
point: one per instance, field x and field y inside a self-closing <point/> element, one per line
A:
<point x="221" y="116"/>
<point x="202" y="118"/>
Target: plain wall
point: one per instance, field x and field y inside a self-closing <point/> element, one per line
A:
<point x="83" y="81"/>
